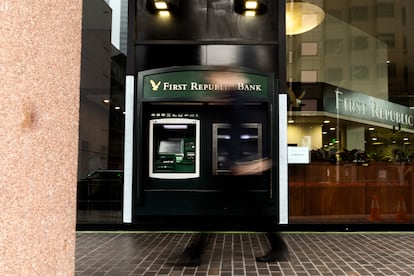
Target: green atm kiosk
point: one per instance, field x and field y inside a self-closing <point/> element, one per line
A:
<point x="182" y="158"/>
<point x="174" y="146"/>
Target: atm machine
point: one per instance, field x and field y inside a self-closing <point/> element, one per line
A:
<point x="182" y="157"/>
<point x="174" y="146"/>
<point x="250" y="141"/>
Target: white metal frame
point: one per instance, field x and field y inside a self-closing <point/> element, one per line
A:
<point x="283" y="164"/>
<point x="128" y="148"/>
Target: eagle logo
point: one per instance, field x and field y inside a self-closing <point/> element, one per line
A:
<point x="155" y="85"/>
<point x="295" y="101"/>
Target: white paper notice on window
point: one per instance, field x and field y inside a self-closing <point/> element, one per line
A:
<point x="298" y="155"/>
<point x="306" y="141"/>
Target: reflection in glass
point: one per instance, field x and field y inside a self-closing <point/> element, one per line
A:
<point x="250" y="141"/>
<point x="101" y="122"/>
<point x="361" y="167"/>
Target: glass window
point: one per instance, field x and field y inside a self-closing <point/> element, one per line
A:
<point x="101" y="128"/>
<point x="359" y="13"/>
<point x="386" y="40"/>
<point x="359" y="43"/>
<point x="356" y="118"/>
<point x="334" y="46"/>
<point x="385" y="10"/>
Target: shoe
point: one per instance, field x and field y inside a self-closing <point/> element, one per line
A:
<point x="194" y="261"/>
<point x="189" y="261"/>
<point x="269" y="257"/>
<point x="190" y="257"/>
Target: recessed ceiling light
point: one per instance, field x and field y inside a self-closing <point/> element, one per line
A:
<point x="161" y="5"/>
<point x="251" y="5"/>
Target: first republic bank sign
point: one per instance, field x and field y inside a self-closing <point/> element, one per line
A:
<point x="344" y="102"/>
<point x="192" y="84"/>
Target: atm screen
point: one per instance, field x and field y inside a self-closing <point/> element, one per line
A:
<point x="171" y="146"/>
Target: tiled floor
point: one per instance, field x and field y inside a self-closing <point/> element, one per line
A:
<point x="138" y="253"/>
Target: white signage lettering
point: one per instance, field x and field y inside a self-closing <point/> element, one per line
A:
<point x="199" y="86"/>
<point x="174" y="86"/>
<point x="373" y="109"/>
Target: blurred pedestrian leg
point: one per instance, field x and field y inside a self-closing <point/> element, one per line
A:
<point x="193" y="253"/>
<point x="278" y="251"/>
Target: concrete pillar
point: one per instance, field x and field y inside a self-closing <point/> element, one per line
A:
<point x="40" y="44"/>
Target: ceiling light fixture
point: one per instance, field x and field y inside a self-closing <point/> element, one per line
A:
<point x="302" y="17"/>
<point x="162" y="7"/>
<point x="250" y="7"/>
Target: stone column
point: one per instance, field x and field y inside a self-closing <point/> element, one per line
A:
<point x="40" y="45"/>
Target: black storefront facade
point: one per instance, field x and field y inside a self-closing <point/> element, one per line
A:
<point x="340" y="148"/>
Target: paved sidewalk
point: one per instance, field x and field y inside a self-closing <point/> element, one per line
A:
<point x="139" y="253"/>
